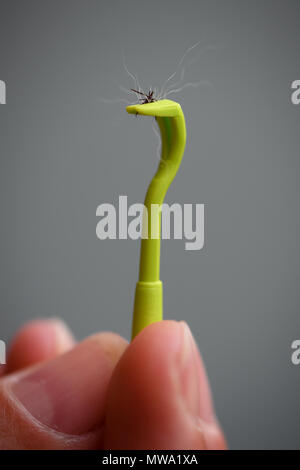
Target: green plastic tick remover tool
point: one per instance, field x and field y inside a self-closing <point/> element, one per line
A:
<point x="148" y="304"/>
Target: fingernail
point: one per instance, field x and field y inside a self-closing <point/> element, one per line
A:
<point x="63" y="337"/>
<point x="192" y="378"/>
<point x="68" y="393"/>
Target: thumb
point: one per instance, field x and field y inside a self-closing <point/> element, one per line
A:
<point x="165" y="401"/>
<point x="60" y="404"/>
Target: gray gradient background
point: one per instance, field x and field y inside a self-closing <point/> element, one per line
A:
<point x="63" y="153"/>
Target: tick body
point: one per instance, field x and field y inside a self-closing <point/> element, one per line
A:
<point x="147" y="97"/>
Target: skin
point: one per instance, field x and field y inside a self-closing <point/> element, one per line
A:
<point x="104" y="393"/>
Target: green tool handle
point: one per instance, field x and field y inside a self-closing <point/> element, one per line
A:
<point x="148" y="305"/>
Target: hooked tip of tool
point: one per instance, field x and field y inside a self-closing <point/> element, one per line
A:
<point x="163" y="108"/>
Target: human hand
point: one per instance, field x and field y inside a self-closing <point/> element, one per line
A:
<point x="105" y="394"/>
